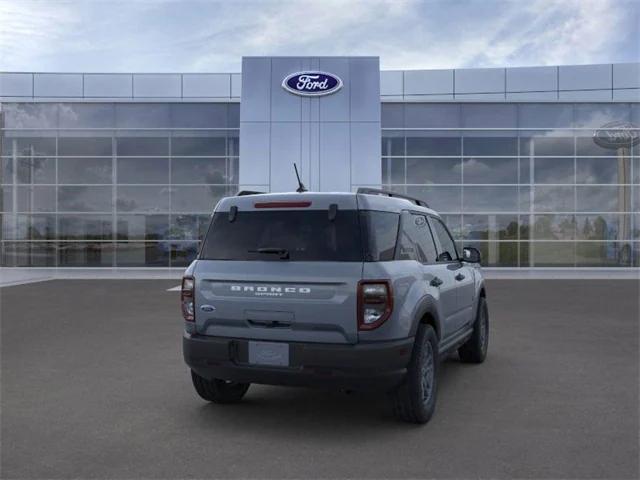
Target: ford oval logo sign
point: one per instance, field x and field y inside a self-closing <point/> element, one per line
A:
<point x="312" y="84"/>
<point x="615" y="135"/>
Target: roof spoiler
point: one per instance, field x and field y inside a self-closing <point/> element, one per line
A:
<point x="243" y="193"/>
<point x="386" y="193"/>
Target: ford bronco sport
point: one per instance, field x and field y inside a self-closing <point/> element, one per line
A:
<point x="361" y="290"/>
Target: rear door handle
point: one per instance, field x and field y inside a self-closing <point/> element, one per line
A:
<point x="459" y="277"/>
<point x="436" y="282"/>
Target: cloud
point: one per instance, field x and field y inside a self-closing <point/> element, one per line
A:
<point x="198" y="35"/>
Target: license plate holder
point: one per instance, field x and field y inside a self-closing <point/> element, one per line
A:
<point x="275" y="354"/>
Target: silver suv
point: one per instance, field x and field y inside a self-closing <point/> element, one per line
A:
<point x="357" y="291"/>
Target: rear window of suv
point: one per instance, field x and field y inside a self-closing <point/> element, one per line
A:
<point x="301" y="235"/>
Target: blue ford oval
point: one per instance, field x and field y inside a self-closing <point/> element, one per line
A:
<point x="312" y="84"/>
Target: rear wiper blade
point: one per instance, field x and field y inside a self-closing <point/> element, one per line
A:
<point x="283" y="252"/>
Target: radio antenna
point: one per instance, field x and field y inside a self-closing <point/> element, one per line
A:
<point x="301" y="188"/>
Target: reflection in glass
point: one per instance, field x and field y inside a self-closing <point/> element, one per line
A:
<point x="490" y="170"/>
<point x="603" y="226"/>
<point x="32" y="170"/>
<point x="490" y="199"/>
<point x="143" y="170"/>
<point x="142" y="146"/>
<point x="419" y="144"/>
<point x="137" y="254"/>
<point x="85" y="227"/>
<point x="84" y="199"/>
<point x="143" y="227"/>
<point x="79" y="254"/>
<point x="199" y="170"/>
<point x="199" y="146"/>
<point x="392" y="144"/>
<point x="553" y="170"/>
<point x="189" y="227"/>
<point x="183" y="253"/>
<point x="603" y="170"/>
<point x="490" y="146"/>
<point x="143" y="199"/>
<point x="393" y="171"/>
<point x="392" y="115"/>
<point x="30" y="115"/>
<point x="496" y="254"/>
<point x="603" y="254"/>
<point x="76" y="170"/>
<point x="553" y="199"/>
<point x="42" y="146"/>
<point x="542" y="145"/>
<point x="603" y="198"/>
<point x="199" y="115"/>
<point x="434" y="170"/>
<point x="197" y="199"/>
<point x="36" y="199"/>
<point x="85" y="146"/>
<point x="28" y="227"/>
<point x="551" y="254"/>
<point x="490" y="227"/>
<point x="442" y="199"/>
<point x="86" y="115"/>
<point x="29" y="254"/>
<point x="554" y="227"/>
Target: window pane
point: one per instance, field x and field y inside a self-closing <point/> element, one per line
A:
<point x="199" y="170"/>
<point x="423" y="145"/>
<point x="489" y="115"/>
<point x="416" y="242"/>
<point x="78" y="254"/>
<point x="490" y="170"/>
<point x="598" y="114"/>
<point x="28" y="227"/>
<point x="447" y="248"/>
<point x="393" y="171"/>
<point x="198" y="115"/>
<point x="189" y="227"/>
<point x="490" y="199"/>
<point x="603" y="170"/>
<point x="553" y="199"/>
<point x="454" y="224"/>
<point x="145" y="227"/>
<point x="35" y="170"/>
<point x="92" y="115"/>
<point x="392" y="144"/>
<point x="496" y="254"/>
<point x="183" y="253"/>
<point x="84" y="199"/>
<point x="30" y="115"/>
<point x="636" y="170"/>
<point x="381" y="231"/>
<point x="551" y="254"/>
<point x="142" y="146"/>
<point x="434" y="170"/>
<point x="198" y="146"/>
<point x="603" y="254"/>
<point x="490" y="227"/>
<point x="85" y="227"/>
<point x="29" y="146"/>
<point x="143" y="170"/>
<point x="143" y="199"/>
<point x="431" y="115"/>
<point x="29" y="254"/>
<point x="544" y="115"/>
<point x="550" y="146"/>
<point x="392" y="115"/>
<point x="603" y="198"/>
<point x="604" y="226"/>
<point x="142" y="254"/>
<point x="7" y="199"/>
<point x="143" y="115"/>
<point x="90" y="146"/>
<point x="442" y="199"/>
<point x="585" y="145"/>
<point x="554" y="227"/>
<point x="196" y="199"/>
<point x="501" y="146"/>
<point x="36" y="199"/>
<point x="85" y="170"/>
<point x="553" y="170"/>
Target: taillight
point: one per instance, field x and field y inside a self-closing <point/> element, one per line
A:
<point x="186" y="298"/>
<point x="375" y="303"/>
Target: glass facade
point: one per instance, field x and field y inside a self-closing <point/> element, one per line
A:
<point x="524" y="183"/>
<point x="113" y="184"/>
<point x="134" y="184"/>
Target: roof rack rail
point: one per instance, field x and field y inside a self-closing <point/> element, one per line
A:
<point x="376" y="191"/>
<point x="242" y="193"/>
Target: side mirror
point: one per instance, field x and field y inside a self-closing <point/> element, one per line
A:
<point x="471" y="255"/>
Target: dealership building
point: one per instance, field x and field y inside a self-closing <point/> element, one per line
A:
<point x="537" y="167"/>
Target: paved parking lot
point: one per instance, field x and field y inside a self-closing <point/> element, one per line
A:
<point x="93" y="386"/>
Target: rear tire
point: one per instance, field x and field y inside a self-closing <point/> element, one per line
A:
<point x="218" y="391"/>
<point x="415" y="400"/>
<point x="474" y="350"/>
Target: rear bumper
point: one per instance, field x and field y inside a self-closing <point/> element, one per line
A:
<point x="364" y="366"/>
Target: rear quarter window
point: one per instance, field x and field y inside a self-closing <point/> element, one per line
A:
<point x="380" y="230"/>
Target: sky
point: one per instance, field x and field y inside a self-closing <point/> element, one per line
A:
<point x="212" y="36"/>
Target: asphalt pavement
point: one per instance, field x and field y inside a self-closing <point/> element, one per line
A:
<point x="93" y="386"/>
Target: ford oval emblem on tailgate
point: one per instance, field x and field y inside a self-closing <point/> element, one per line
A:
<point x="207" y="308"/>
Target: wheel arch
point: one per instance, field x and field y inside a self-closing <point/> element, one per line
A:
<point x="427" y="313"/>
